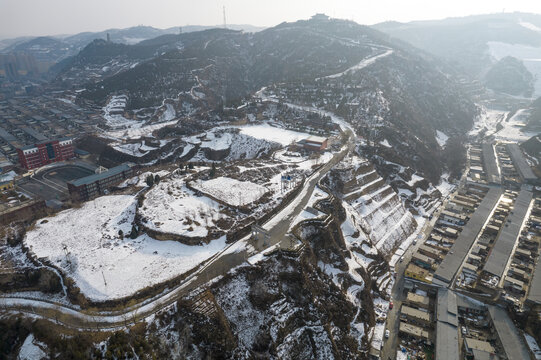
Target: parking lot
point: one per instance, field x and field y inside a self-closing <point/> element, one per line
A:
<point x="51" y="184"/>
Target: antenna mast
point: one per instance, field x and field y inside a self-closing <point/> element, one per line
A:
<point x="225" y="23"/>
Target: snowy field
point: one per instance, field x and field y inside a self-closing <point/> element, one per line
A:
<point x="231" y="191"/>
<point x="441" y="138"/>
<point x="32" y="349"/>
<point x="140" y="180"/>
<point x="170" y="207"/>
<point x="488" y="119"/>
<point x="85" y="244"/>
<point x="138" y="149"/>
<point x="512" y="129"/>
<point x="111" y="113"/>
<point x="138" y="132"/>
<point x="272" y="133"/>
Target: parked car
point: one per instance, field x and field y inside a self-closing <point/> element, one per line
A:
<point x="391" y="305"/>
<point x="387" y="333"/>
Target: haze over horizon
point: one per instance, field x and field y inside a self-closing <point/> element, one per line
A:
<point x="26" y="17"/>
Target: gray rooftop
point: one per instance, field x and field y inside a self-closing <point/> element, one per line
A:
<point x="36" y="135"/>
<point x="447" y="325"/>
<point x="6" y="136"/>
<point x="524" y="170"/>
<point x="90" y="179"/>
<point x="466" y="302"/>
<point x="490" y="164"/>
<point x="535" y="287"/>
<point x="505" y="242"/>
<point x="447" y="307"/>
<point x="446" y="341"/>
<point x="452" y="261"/>
<point x="513" y="346"/>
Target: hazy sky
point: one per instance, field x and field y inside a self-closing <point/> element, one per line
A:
<point x="50" y="17"/>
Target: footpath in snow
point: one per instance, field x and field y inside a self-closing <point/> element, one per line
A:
<point x="361" y="65"/>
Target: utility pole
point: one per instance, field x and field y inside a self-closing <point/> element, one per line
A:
<point x="225" y="23"/>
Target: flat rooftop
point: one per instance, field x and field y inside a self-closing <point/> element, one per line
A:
<point x="415" y="313"/>
<point x="96" y="177"/>
<point x="446" y="341"/>
<point x="479" y="345"/>
<point x="490" y="164"/>
<point x="33" y="133"/>
<point x="447" y="325"/>
<point x="419" y="299"/>
<point x="524" y="170"/>
<point x="505" y="242"/>
<point x="451" y="263"/>
<point x="534" y="294"/>
<point x="514" y="347"/>
<point x="7" y="136"/>
<point x="413" y="330"/>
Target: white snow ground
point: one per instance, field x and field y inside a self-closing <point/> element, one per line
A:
<point x="488" y="119"/>
<point x="534" y="347"/>
<point x="273" y="133"/>
<point x="85" y="244"/>
<point x="231" y="191"/>
<point x="441" y="138"/>
<point x="170" y="207"/>
<point x="117" y="103"/>
<point x="138" y="132"/>
<point x="32" y="349"/>
<point x="512" y="129"/>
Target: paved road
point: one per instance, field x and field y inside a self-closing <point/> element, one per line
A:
<point x="280" y="224"/>
<point x="215" y="266"/>
<point x="389" y="348"/>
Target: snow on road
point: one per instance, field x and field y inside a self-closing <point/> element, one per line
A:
<point x="85" y="244"/>
<point x="344" y="125"/>
<point x="361" y="65"/>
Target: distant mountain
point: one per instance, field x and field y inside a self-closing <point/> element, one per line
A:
<point x="339" y="66"/>
<point x="472" y="44"/>
<point x="50" y="50"/>
<point x="509" y="75"/>
<point x="4" y="43"/>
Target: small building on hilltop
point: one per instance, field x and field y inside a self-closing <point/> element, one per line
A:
<point x="315" y="143"/>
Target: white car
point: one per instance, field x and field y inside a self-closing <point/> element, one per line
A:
<point x="387" y="333"/>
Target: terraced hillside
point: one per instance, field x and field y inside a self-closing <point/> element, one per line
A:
<point x="382" y="215"/>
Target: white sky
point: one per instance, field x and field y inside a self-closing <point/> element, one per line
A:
<point x="51" y="17"/>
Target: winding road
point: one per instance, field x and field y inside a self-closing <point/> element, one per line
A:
<point x="219" y="264"/>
